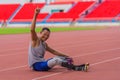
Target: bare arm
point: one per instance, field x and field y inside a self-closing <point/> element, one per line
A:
<point x="55" y="52"/>
<point x="33" y="25"/>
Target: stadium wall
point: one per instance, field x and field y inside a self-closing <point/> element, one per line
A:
<point x="13" y="1"/>
<point x="78" y="24"/>
<point x="49" y="8"/>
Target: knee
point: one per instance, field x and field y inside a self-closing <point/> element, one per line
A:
<point x="52" y="62"/>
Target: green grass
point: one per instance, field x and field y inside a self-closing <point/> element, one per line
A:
<point x="53" y="29"/>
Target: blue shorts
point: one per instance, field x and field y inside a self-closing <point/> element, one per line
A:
<point x="41" y="66"/>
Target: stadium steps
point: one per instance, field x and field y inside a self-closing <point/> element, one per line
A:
<point x="68" y="16"/>
<point x="6" y="10"/>
<point x="25" y="14"/>
<point x="15" y="12"/>
<point x="108" y="10"/>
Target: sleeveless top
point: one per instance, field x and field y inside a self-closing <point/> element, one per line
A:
<point x="36" y="54"/>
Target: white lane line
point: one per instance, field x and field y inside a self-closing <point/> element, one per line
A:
<point x="12" y="68"/>
<point x="13" y="54"/>
<point x="86" y="41"/>
<point x="97" y="52"/>
<point x="54" y="74"/>
<point x="105" y="61"/>
<point x="13" y="49"/>
<point x="85" y="44"/>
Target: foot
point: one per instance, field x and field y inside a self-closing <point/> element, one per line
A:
<point x="83" y="67"/>
<point x="86" y="67"/>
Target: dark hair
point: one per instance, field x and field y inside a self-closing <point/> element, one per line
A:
<point x="45" y="28"/>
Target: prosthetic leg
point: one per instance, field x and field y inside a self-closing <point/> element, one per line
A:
<point x="83" y="67"/>
<point x="69" y="65"/>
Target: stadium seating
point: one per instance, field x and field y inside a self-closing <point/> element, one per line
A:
<point x="72" y="14"/>
<point x="106" y="11"/>
<point x="26" y="13"/>
<point x="67" y="0"/>
<point x="6" y="10"/>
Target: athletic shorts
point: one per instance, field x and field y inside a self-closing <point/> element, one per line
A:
<point x="41" y="66"/>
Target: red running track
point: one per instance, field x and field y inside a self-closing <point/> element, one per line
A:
<point x="101" y="48"/>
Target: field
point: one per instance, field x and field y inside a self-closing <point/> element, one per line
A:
<point x="21" y="30"/>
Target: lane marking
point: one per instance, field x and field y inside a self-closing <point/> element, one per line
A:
<point x="12" y="68"/>
<point x="97" y="52"/>
<point x="105" y="61"/>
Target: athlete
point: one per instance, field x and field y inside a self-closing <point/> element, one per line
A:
<point x="37" y="49"/>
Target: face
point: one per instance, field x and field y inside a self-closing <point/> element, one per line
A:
<point x="44" y="35"/>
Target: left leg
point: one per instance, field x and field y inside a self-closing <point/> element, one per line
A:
<point x="47" y="65"/>
<point x="65" y="62"/>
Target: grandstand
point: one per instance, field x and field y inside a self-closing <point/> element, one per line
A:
<point x="61" y="12"/>
<point x="105" y="11"/>
<point x="77" y="9"/>
<point x="6" y="10"/>
<point x="25" y="14"/>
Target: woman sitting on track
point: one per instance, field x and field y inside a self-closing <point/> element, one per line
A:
<point x="37" y="49"/>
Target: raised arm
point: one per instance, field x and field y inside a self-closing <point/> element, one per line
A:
<point x="33" y="25"/>
<point x="34" y="37"/>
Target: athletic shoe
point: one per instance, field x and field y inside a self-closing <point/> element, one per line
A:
<point x="83" y="67"/>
